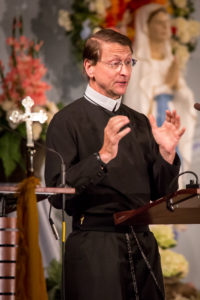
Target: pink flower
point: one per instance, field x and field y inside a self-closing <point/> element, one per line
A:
<point x="24" y="42"/>
<point x="38" y="46"/>
<point x="26" y="72"/>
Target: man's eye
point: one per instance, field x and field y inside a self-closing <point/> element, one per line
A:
<point x="115" y="63"/>
<point x="128" y="62"/>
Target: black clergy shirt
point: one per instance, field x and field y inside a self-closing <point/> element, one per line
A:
<point x="137" y="175"/>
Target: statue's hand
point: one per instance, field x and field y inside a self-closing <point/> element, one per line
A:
<point x="172" y="76"/>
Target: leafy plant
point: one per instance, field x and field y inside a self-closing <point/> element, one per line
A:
<point x="24" y="78"/>
<point x="53" y="280"/>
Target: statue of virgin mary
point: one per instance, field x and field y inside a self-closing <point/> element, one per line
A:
<point x="156" y="82"/>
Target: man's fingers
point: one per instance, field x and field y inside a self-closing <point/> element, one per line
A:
<point x="123" y="132"/>
<point x="173" y="118"/>
<point x="181" y="132"/>
<point x="177" y="122"/>
<point x="152" y="122"/>
<point x="115" y="124"/>
<point x="168" y="116"/>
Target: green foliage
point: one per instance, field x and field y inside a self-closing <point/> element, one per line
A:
<point x="10" y="145"/>
<point x="54" y="280"/>
<point x="183" y="12"/>
<point x="81" y="13"/>
<point x="164" y="235"/>
<point x="10" y="155"/>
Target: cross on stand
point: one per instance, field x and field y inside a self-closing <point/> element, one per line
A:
<point x="29" y="117"/>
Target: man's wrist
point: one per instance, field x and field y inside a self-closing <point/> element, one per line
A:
<point x="105" y="157"/>
<point x="168" y="156"/>
<point x="101" y="162"/>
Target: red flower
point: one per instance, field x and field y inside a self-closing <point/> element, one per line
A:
<point x="174" y="30"/>
<point x="26" y="71"/>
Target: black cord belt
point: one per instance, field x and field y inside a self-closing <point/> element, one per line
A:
<point x="88" y="222"/>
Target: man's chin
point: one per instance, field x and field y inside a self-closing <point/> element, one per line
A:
<point x="121" y="91"/>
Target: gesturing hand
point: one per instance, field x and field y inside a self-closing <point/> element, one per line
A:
<point x="168" y="135"/>
<point x="112" y="135"/>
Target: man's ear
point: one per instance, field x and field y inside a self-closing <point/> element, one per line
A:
<point x="89" y="68"/>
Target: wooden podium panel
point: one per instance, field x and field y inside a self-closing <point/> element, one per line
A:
<point x="10" y="194"/>
<point x="42" y="192"/>
<point x="181" y="207"/>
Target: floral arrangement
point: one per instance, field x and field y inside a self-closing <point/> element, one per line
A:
<point x="185" y="30"/>
<point x="164" y="235"/>
<point x="24" y="78"/>
<point x="88" y="16"/>
<point x="173" y="264"/>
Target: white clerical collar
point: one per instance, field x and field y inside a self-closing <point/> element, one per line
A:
<point x="99" y="99"/>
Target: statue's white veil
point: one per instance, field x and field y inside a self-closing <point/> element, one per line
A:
<point x="141" y="44"/>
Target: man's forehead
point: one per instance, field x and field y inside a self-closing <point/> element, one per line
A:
<point x="113" y="49"/>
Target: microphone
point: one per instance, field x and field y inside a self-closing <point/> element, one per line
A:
<point x="197" y="106"/>
<point x="191" y="184"/>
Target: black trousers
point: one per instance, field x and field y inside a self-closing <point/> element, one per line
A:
<point x="110" y="266"/>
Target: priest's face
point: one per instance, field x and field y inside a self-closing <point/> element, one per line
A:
<point x="111" y="74"/>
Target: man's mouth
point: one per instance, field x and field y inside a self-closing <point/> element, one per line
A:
<point x="122" y="82"/>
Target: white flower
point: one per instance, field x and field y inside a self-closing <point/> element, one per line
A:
<point x="182" y="26"/>
<point x="173" y="264"/>
<point x="52" y="107"/>
<point x="180" y="3"/>
<point x="64" y="20"/>
<point x="99" y="6"/>
<point x="194" y="28"/>
<point x="164" y="235"/>
<point x="8" y="105"/>
<point x="9" y="113"/>
<point x="182" y="54"/>
<point x="92" y="6"/>
<point x="96" y="29"/>
<point x="38" y="108"/>
<point x="37" y="129"/>
<point x="187" y="30"/>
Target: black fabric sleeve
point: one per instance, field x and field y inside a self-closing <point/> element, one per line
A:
<point x="79" y="173"/>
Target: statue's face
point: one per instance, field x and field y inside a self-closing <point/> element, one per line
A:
<point x="159" y="27"/>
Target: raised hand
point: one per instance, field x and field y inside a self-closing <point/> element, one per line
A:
<point x="113" y="133"/>
<point x="168" y="135"/>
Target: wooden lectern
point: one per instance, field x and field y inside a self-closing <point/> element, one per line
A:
<point x="9" y="234"/>
<point x="181" y="207"/>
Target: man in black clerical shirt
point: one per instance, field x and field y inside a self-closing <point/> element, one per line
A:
<point x="117" y="160"/>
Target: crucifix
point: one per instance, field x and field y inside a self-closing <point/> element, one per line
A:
<point x="29" y="117"/>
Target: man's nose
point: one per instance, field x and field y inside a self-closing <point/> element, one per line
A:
<point x="125" y="70"/>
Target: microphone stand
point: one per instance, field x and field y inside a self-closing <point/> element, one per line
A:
<point x="63" y="181"/>
<point x="30" y="151"/>
<point x="63" y="184"/>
